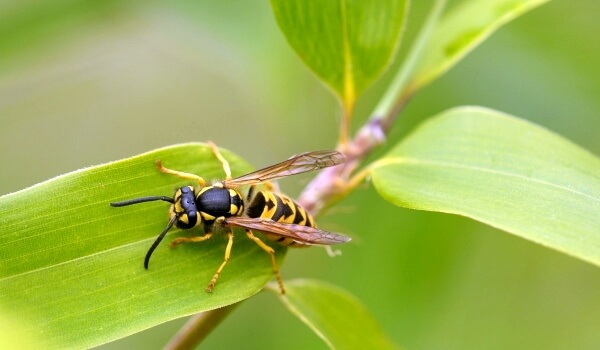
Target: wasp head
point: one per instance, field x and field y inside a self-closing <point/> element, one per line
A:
<point x="184" y="208"/>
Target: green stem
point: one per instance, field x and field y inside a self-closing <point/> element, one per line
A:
<point x="400" y="91"/>
<point x="198" y="327"/>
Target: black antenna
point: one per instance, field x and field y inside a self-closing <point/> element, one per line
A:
<point x="142" y="200"/>
<point x="158" y="240"/>
<point x="162" y="234"/>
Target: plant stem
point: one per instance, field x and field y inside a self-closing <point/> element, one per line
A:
<point x="198" y="327"/>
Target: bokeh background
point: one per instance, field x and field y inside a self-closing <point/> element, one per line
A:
<point x="87" y="82"/>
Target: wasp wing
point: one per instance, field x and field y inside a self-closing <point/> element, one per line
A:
<point x="300" y="233"/>
<point x="297" y="164"/>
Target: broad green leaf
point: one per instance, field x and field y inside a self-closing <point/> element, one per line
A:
<point x="334" y="315"/>
<point x="461" y="30"/>
<point x="71" y="266"/>
<point x="347" y="43"/>
<point x="502" y="171"/>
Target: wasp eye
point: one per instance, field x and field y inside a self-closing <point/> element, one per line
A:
<point x="187" y="220"/>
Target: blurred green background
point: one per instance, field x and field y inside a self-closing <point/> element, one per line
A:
<point x="87" y="82"/>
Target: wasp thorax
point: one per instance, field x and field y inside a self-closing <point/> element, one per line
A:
<point x="185" y="208"/>
<point x="213" y="202"/>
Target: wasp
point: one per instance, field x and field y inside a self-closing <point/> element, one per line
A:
<point x="221" y="206"/>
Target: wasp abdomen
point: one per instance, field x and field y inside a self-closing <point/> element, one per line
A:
<point x="279" y="208"/>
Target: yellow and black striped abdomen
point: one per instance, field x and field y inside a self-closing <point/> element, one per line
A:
<point x="279" y="208"/>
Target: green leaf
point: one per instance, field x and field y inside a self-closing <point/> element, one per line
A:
<point x="72" y="266"/>
<point x="502" y="171"/>
<point x="348" y="43"/>
<point x="12" y="335"/>
<point x="462" y="30"/>
<point x="334" y="315"/>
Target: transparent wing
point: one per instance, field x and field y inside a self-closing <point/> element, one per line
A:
<point x="297" y="164"/>
<point x="300" y="233"/>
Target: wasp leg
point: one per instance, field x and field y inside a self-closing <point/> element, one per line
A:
<point x="180" y="174"/>
<point x="271" y="252"/>
<point x="212" y="283"/>
<point x="332" y="253"/>
<point x="223" y="161"/>
<point x="180" y="240"/>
